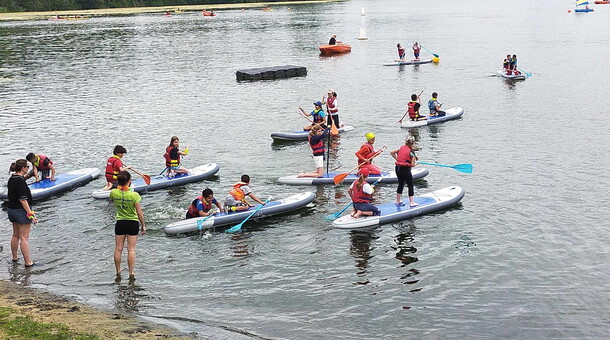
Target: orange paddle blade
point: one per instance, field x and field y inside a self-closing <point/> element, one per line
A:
<point x="333" y="130"/>
<point x="340" y="177"/>
<point x="146" y="179"/>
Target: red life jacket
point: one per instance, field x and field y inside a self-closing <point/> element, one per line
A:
<point x="366" y="153"/>
<point x="404" y="157"/>
<point x="43" y="162"/>
<point x="331" y="105"/>
<point x="237" y="192"/>
<point x="193" y="211"/>
<point x="168" y="161"/>
<point x="411" y="109"/>
<point x="113" y="167"/>
<point x="318" y="148"/>
<point x="358" y="195"/>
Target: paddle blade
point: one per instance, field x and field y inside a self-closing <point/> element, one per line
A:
<point x="146" y="179"/>
<point x="339" y="178"/>
<point x="466" y="168"/>
<point x="331" y="217"/>
<point x="333" y="130"/>
<point x="234" y="229"/>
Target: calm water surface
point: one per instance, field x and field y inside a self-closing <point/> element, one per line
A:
<point x="525" y="255"/>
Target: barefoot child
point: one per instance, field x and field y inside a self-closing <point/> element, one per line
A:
<point x="202" y="205"/>
<point x="172" y="157"/>
<point x="236" y="200"/>
<point x="361" y="193"/>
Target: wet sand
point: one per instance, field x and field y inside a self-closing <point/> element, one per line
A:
<point x="137" y="10"/>
<point x="48" y="308"/>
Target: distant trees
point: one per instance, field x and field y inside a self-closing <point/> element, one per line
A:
<point x="61" y="5"/>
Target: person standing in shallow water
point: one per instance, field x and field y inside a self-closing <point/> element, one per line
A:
<point x="19" y="211"/>
<point x="128" y="213"/>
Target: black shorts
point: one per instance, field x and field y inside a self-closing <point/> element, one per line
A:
<point x="125" y="227"/>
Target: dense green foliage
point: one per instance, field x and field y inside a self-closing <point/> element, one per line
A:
<point x="62" y="5"/>
<point x="25" y="328"/>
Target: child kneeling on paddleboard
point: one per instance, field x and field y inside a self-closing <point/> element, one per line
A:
<point x="114" y="166"/>
<point x="41" y="165"/>
<point x="202" y="205"/>
<point x="236" y="200"/>
<point x="172" y="157"/>
<point x="361" y="193"/>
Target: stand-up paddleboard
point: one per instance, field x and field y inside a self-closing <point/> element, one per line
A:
<point x="452" y="113"/>
<point x="410" y="62"/>
<point x="63" y="182"/>
<point x="428" y="203"/>
<point x="302" y="134"/>
<point x="274" y="207"/>
<point x="159" y="182"/>
<point x="388" y="177"/>
<point x="503" y="74"/>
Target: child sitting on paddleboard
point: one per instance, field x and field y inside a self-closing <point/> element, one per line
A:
<point x="114" y="166"/>
<point x="236" y="200"/>
<point x="434" y="106"/>
<point x="41" y="165"/>
<point x="202" y="205"/>
<point x="361" y="193"/>
<point x="172" y="157"/>
<point x="506" y="64"/>
<point x="366" y="153"/>
<point x="413" y="109"/>
<point x="513" y="65"/>
<point x="317" y="115"/>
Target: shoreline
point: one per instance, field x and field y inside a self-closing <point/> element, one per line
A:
<point x="87" y="13"/>
<point x="45" y="307"/>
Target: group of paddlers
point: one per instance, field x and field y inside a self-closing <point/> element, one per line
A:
<point x="510" y="65"/>
<point x="401" y="51"/>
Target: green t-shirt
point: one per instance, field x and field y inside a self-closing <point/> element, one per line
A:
<point x="125" y="202"/>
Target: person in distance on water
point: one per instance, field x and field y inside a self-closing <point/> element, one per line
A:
<point x="42" y="165"/>
<point x="333" y="40"/>
<point x="333" y="109"/>
<point x="19" y="211"/>
<point x="513" y="65"/>
<point x="405" y="159"/>
<point x="365" y="155"/>
<point x="413" y="109"/>
<point x="128" y="214"/>
<point x="362" y="193"/>
<point x="114" y="165"/>
<point x="317" y="115"/>
<point x="434" y="106"/>
<point x="236" y="200"/>
<point x="416" y="50"/>
<point x="316" y="142"/>
<point x="507" y="65"/>
<point x="202" y="205"/>
<point x="401" y="52"/>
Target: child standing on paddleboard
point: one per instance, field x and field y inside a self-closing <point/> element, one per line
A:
<point x="405" y="159"/>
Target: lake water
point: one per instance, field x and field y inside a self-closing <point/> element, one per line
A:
<point x="524" y="255"/>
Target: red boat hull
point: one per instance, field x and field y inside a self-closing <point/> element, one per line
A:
<point x="334" y="49"/>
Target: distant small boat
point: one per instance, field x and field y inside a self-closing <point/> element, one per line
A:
<point x="268" y="9"/>
<point x="602" y="2"/>
<point x="512" y="76"/>
<point x="334" y="49"/>
<point x="208" y="13"/>
<point x="584" y="9"/>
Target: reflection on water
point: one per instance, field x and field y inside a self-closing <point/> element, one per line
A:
<point x="405" y="251"/>
<point x="239" y="245"/>
<point x="128" y="296"/>
<point x="360" y="249"/>
<point x="19" y="274"/>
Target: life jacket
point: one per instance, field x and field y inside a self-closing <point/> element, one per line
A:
<point x="42" y="162"/>
<point x="404" y="157"/>
<point x="367" y="153"/>
<point x="411" y="109"/>
<point x="193" y="211"/>
<point x="505" y="63"/>
<point x="431" y="104"/>
<point x="237" y="192"/>
<point x="168" y="161"/>
<point x="416" y="49"/>
<point x="331" y="105"/>
<point x="318" y="148"/>
<point x="358" y="195"/>
<point x="401" y="52"/>
<point x="317" y="117"/>
<point x="113" y="167"/>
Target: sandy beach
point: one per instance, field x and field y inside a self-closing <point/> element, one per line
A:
<point x="137" y="10"/>
<point x="46" y="308"/>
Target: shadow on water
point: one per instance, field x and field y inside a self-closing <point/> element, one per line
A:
<point x="405" y="251"/>
<point x="360" y="249"/>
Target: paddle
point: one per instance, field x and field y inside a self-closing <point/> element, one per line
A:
<point x="238" y="227"/>
<point x="311" y="121"/>
<point x="340" y="177"/>
<point x="434" y="54"/>
<point x="200" y="222"/>
<point x="161" y="173"/>
<point x="336" y="215"/>
<point x="466" y="168"/>
<point x="403" y="116"/>
<point x="526" y="73"/>
<point x="333" y="128"/>
<point x="145" y="177"/>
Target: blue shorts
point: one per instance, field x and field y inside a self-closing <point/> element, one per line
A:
<point x="367" y="207"/>
<point x="174" y="168"/>
<point x="19" y="216"/>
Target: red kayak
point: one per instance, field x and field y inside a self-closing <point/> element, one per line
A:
<point x="602" y="2"/>
<point x="334" y="49"/>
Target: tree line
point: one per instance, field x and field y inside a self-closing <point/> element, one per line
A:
<point x="65" y="5"/>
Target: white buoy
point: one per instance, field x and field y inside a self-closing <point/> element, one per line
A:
<point x="362" y="25"/>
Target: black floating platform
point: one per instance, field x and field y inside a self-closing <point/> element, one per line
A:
<point x="274" y="72"/>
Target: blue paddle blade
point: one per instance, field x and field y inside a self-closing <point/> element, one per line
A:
<point x="234" y="229"/>
<point x="332" y="217"/>
<point x="466" y="168"/>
